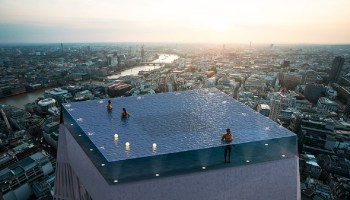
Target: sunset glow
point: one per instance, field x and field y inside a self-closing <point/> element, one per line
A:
<point x="271" y="21"/>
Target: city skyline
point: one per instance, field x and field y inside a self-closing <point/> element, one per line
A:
<point x="175" y="93"/>
<point x="321" y="22"/>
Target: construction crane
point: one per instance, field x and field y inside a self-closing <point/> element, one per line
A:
<point x="284" y="88"/>
<point x="6" y="121"/>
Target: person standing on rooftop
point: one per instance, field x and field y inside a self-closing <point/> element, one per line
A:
<point x="227" y="139"/>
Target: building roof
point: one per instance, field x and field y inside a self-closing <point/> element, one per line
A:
<point x="176" y="122"/>
<point x="185" y="126"/>
<point x="46" y="102"/>
<point x="325" y="100"/>
<point x="265" y="106"/>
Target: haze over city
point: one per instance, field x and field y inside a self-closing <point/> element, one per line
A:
<point x="175" y="99"/>
<point x="272" y="21"/>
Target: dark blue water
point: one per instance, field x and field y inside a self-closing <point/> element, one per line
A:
<point x="186" y="126"/>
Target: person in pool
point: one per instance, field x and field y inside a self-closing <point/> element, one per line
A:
<point x="125" y="114"/>
<point x="109" y="105"/>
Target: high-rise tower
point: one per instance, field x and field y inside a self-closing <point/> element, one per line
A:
<point x="142" y="54"/>
<point x="275" y="109"/>
<point x="181" y="156"/>
<point x="337" y="66"/>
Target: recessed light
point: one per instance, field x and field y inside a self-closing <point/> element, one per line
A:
<point x="157" y="174"/>
<point x="203" y="167"/>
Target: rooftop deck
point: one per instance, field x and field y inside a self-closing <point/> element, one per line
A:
<point x="186" y="128"/>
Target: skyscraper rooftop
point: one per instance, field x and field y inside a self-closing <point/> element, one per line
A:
<point x="186" y="128"/>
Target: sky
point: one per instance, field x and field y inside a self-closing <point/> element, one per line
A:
<point x="180" y="21"/>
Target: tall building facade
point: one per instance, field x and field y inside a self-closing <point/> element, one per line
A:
<point x="103" y="157"/>
<point x="337" y="66"/>
<point x="275" y="109"/>
<point x="313" y="92"/>
<point x="142" y="54"/>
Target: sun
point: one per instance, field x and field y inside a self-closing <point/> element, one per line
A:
<point x="218" y="24"/>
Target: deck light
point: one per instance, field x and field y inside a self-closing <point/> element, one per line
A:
<point x="154" y="147"/>
<point x="127" y="146"/>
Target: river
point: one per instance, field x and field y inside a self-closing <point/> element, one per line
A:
<point x="21" y="99"/>
<point x="164" y="58"/>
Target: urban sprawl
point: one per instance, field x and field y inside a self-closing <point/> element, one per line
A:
<point x="304" y="88"/>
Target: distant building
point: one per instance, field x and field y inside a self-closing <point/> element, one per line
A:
<point x="255" y="82"/>
<point x="121" y="59"/>
<point x="264" y="109"/>
<point x="314" y="133"/>
<point x="303" y="104"/>
<point x="16" y="180"/>
<point x="58" y="94"/>
<point x="211" y="82"/>
<point x="142" y="54"/>
<point x="334" y="164"/>
<point x="275" y="109"/>
<point x="109" y="60"/>
<point x="320" y="190"/>
<point x="288" y="99"/>
<point x="50" y="133"/>
<point x="114" y="61"/>
<point x="118" y="89"/>
<point x="83" y="95"/>
<point x="313" y="92"/>
<point x="344" y="94"/>
<point x="312" y="168"/>
<point x="331" y="93"/>
<point x="285" y="64"/>
<point x="337" y="66"/>
<point x="327" y="104"/>
<point x="48" y="106"/>
<point x="311" y="77"/>
<point x="340" y="187"/>
<point x="291" y="80"/>
<point x="345" y="81"/>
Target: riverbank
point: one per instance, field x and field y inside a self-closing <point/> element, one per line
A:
<point x="20" y="100"/>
